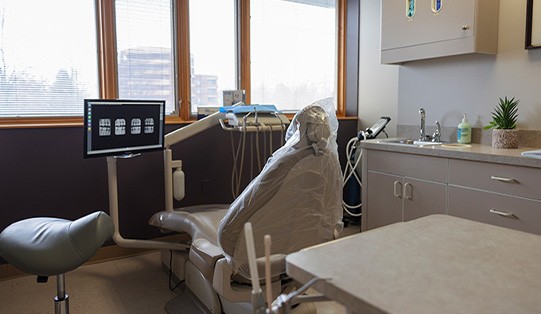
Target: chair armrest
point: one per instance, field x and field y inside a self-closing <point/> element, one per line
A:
<point x="236" y="292"/>
<point x="222" y="284"/>
<point x="204" y="254"/>
<point x="209" y="252"/>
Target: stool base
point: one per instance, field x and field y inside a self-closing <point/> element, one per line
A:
<point x="61" y="306"/>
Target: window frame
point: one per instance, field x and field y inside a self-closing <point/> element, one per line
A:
<point x="107" y="65"/>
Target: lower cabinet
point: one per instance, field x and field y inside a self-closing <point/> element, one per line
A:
<point x="403" y="186"/>
<point x="395" y="198"/>
<point x="423" y="198"/>
<point x="496" y="209"/>
<point x="498" y="194"/>
<point x="400" y="187"/>
<point x="383" y="205"/>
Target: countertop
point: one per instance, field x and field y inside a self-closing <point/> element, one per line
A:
<point x="434" y="264"/>
<point x="477" y="152"/>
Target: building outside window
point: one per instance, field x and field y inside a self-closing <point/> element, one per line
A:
<point x="144" y="32"/>
<point x="212" y="51"/>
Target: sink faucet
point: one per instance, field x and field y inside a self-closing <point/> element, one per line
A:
<point x="423" y="137"/>
<point x="436" y="137"/>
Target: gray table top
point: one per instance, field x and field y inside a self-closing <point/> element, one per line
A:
<point x="435" y="264"/>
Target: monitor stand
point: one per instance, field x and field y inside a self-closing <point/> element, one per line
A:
<point x="113" y="212"/>
<point x="127" y="156"/>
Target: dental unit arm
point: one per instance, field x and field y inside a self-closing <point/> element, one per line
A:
<point x="243" y="118"/>
<point x="175" y="137"/>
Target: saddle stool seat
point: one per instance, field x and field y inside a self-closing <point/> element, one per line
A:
<point x="46" y="246"/>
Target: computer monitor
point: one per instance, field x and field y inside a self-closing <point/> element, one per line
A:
<point x="123" y="127"/>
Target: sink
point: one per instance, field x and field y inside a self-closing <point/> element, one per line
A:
<point x="456" y="145"/>
<point x="409" y="142"/>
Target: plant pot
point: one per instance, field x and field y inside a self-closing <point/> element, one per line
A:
<point x="504" y="138"/>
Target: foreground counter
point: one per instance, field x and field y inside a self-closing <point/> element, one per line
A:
<point x="434" y="264"/>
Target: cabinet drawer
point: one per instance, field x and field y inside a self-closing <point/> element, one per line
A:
<point x="523" y="214"/>
<point x="409" y="165"/>
<point x="505" y="179"/>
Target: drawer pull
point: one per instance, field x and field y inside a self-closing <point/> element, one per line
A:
<point x="503" y="214"/>
<point x="503" y="179"/>
<point x="397" y="189"/>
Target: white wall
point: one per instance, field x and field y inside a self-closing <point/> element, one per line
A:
<point x="448" y="87"/>
<point x="378" y="84"/>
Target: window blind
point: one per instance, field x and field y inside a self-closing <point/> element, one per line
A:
<point x="48" y="57"/>
<point x="145" y="56"/>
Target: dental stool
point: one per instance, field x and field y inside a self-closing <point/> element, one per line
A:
<point x="45" y="246"/>
<point x="296" y="199"/>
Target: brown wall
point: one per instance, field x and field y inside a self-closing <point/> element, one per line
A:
<point x="43" y="173"/>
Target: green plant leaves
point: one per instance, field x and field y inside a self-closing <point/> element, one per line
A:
<point x="505" y="115"/>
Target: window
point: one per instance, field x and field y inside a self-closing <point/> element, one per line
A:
<point x="48" y="59"/>
<point x="212" y="51"/>
<point x="293" y="51"/>
<point x="144" y="51"/>
<point x="55" y="54"/>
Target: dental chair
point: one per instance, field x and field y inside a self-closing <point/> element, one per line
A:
<point x="296" y="199"/>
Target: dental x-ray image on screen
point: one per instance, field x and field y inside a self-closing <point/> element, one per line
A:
<point x="122" y="127"/>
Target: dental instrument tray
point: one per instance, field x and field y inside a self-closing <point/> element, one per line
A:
<point x="249" y="108"/>
<point x="255" y="116"/>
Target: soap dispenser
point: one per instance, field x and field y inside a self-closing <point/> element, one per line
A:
<point x="464" y="131"/>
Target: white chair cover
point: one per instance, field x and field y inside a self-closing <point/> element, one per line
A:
<point x="296" y="198"/>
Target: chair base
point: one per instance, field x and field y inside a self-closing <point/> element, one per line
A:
<point x="186" y="303"/>
<point x="196" y="288"/>
<point x="61" y="306"/>
<point x="61" y="301"/>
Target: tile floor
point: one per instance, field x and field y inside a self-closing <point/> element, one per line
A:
<point x="130" y="285"/>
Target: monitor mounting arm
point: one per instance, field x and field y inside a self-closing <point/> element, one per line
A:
<point x="176" y="137"/>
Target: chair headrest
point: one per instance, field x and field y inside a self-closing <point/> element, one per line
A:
<point x="312" y="123"/>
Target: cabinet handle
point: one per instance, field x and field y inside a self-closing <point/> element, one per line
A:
<point x="503" y="179"/>
<point x="397" y="191"/>
<point x="406" y="195"/>
<point x="465" y="27"/>
<point x="503" y="214"/>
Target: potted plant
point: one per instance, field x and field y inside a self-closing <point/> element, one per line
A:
<point x="504" y="123"/>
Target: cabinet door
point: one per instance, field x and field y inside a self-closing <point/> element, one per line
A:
<point x="384" y="206"/>
<point x="422" y="198"/>
<point x="425" y="26"/>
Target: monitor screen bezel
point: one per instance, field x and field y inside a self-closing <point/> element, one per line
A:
<point x="121" y="151"/>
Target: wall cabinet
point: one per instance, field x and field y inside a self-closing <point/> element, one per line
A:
<point x="402" y="187"/>
<point x="422" y="29"/>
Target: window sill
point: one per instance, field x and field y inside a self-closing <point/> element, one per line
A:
<point x="34" y="123"/>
